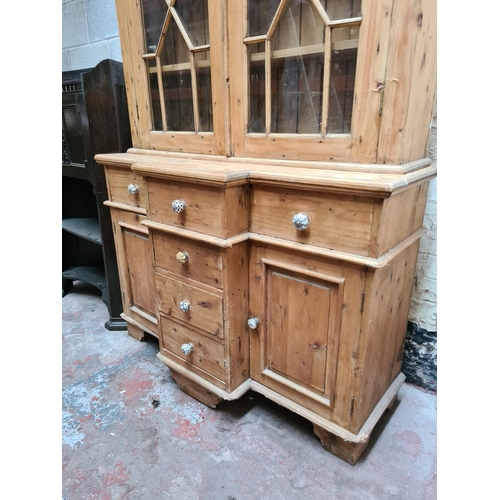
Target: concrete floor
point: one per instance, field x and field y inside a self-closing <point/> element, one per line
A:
<point x="128" y="432"/>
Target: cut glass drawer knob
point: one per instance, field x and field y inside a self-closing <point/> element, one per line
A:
<point x="133" y="188"/>
<point x="187" y="348"/>
<point x="182" y="257"/>
<point x="178" y="206"/>
<point x="184" y="306"/>
<point x="253" y="323"/>
<point x="300" y="221"/>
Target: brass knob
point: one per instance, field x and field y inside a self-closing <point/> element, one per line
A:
<point x="300" y="221"/>
<point x="178" y="206"/>
<point x="182" y="257"/>
<point x="184" y="305"/>
<point x="253" y="323"/>
<point x="133" y="189"/>
<point x="187" y="348"/>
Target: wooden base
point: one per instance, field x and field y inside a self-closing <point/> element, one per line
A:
<point x="195" y="390"/>
<point x="392" y="404"/>
<point x="136" y="332"/>
<point x="349" y="452"/>
<point x="335" y="439"/>
<point x="346" y="450"/>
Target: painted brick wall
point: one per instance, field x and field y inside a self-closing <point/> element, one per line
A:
<point x="420" y="354"/>
<point x="424" y="298"/>
<point x="89" y="33"/>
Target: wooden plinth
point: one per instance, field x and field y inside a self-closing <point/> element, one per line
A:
<point x="195" y="390"/>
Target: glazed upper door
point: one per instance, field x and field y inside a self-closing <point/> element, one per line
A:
<point x="279" y="79"/>
<point x="304" y="78"/>
<point x="175" y="73"/>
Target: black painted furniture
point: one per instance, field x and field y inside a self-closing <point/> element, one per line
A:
<point x="94" y="120"/>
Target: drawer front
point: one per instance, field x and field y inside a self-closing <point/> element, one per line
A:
<point x="207" y="355"/>
<point x="333" y="221"/>
<point x="192" y="305"/>
<point x="220" y="212"/>
<point x="203" y="211"/>
<point x="119" y="180"/>
<point x="188" y="258"/>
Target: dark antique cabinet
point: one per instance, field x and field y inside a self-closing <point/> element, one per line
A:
<point x="94" y="120"/>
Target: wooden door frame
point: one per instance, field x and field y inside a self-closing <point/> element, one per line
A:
<point x="359" y="146"/>
<point x="138" y="94"/>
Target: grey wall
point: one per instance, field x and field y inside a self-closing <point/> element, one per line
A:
<point x="89" y="33"/>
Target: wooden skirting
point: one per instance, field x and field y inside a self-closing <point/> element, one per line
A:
<point x="133" y="322"/>
<point x="363" y="435"/>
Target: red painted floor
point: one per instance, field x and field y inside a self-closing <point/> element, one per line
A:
<point x="128" y="432"/>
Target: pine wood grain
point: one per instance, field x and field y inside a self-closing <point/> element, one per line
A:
<point x="335" y="222"/>
<point x="204" y="262"/>
<point x="207" y="357"/>
<point x="205" y="312"/>
<point x="118" y="181"/>
<point x="135" y="270"/>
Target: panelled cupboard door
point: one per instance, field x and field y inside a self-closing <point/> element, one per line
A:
<point x="298" y="89"/>
<point x="295" y="345"/>
<point x="175" y="71"/>
<point x="135" y="265"/>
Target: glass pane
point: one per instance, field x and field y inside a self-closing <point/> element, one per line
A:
<point x="342" y="9"/>
<point x="257" y="88"/>
<point x="155" y="95"/>
<point x="203" y="80"/>
<point x="299" y="25"/>
<point x="175" y="49"/>
<point x="176" y="76"/>
<point x="260" y="15"/>
<point x="297" y="84"/>
<point x="194" y="16"/>
<point x="154" y="13"/>
<point x="178" y="101"/>
<point x="343" y="70"/>
<point x="297" y="61"/>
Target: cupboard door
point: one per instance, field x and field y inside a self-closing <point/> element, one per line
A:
<point x="139" y="270"/>
<point x="135" y="265"/>
<point x="175" y="74"/>
<point x="293" y="348"/>
<point x="295" y="76"/>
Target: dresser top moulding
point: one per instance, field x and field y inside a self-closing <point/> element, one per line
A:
<point x="375" y="181"/>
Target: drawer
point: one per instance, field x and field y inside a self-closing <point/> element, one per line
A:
<point x="334" y="221"/>
<point x="216" y="211"/>
<point x="190" y="304"/>
<point x="119" y="180"/>
<point x="188" y="258"/>
<point x="206" y="357"/>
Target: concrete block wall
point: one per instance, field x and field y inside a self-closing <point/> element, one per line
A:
<point x="89" y="33"/>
